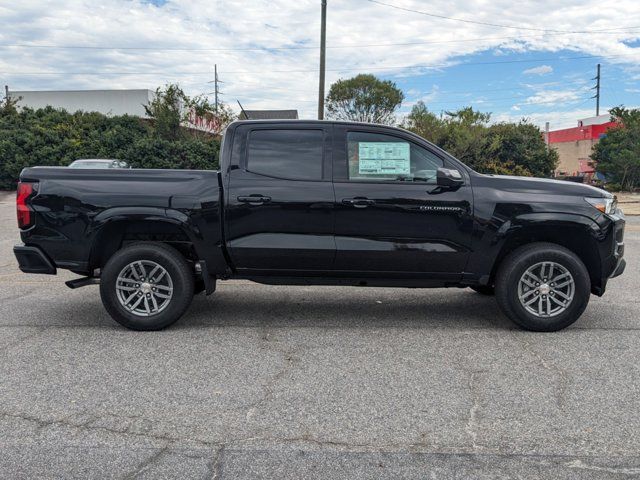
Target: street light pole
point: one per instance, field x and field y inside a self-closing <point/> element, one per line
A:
<point x="323" y="45"/>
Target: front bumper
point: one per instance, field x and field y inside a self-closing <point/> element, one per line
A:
<point x="618" y="247"/>
<point x="33" y="260"/>
<point x="613" y="263"/>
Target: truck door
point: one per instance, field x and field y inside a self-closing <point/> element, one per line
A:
<point x="391" y="216"/>
<point x="279" y="210"/>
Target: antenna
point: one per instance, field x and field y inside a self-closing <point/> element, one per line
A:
<point x="242" y="109"/>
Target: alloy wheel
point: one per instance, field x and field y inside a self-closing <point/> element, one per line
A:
<point x="144" y="288"/>
<point x="546" y="289"/>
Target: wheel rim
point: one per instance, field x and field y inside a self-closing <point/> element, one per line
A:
<point x="144" y="288"/>
<point x="546" y="289"/>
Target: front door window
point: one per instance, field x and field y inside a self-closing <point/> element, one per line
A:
<point x="379" y="157"/>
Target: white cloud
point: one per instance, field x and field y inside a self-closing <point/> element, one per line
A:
<point x="280" y="76"/>
<point x="541" y="70"/>
<point x="557" y="118"/>
<point x="554" y="96"/>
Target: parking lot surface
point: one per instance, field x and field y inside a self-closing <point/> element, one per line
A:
<point x="315" y="382"/>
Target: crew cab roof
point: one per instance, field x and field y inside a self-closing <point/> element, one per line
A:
<point x="309" y="122"/>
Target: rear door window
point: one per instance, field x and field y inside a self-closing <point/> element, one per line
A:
<point x="294" y="154"/>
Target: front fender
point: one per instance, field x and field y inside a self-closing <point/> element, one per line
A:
<point x="546" y="220"/>
<point x="494" y="240"/>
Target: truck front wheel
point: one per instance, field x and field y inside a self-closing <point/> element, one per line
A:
<point x="543" y="287"/>
<point x="146" y="286"/>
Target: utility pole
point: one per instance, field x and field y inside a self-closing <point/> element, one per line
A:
<point x="6" y="93"/>
<point x="323" y="47"/>
<point x="215" y="80"/>
<point x="597" y="89"/>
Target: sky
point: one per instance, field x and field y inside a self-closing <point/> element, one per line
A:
<point x="527" y="59"/>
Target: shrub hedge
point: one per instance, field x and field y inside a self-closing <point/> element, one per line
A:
<point x="55" y="137"/>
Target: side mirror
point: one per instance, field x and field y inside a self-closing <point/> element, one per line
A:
<point x="447" y="177"/>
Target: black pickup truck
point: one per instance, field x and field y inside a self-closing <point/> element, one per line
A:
<point x="323" y="203"/>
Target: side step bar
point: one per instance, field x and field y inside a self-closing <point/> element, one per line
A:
<point x="82" y="282"/>
<point x="209" y="283"/>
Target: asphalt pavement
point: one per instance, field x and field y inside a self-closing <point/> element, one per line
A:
<point x="314" y="382"/>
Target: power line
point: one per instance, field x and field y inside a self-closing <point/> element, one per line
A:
<point x="300" y="47"/>
<point x="363" y="68"/>
<point x="476" y="22"/>
<point x="532" y="86"/>
<point x="492" y="100"/>
<point x="450" y="100"/>
<point x="440" y="93"/>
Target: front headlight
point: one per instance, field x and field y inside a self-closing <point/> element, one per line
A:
<point x="605" y="205"/>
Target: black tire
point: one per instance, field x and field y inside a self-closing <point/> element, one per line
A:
<point x="513" y="268"/>
<point x="484" y="289"/>
<point x="177" y="269"/>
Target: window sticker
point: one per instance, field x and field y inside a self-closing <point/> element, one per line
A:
<point x="384" y="158"/>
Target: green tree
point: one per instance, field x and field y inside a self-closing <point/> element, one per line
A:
<point x="518" y="149"/>
<point x="364" y="98"/>
<point x="617" y="154"/>
<point x="219" y="115"/>
<point x="502" y="148"/>
<point x="171" y="110"/>
<point x="168" y="111"/>
<point x="466" y="136"/>
<point x="8" y="105"/>
<point x="425" y="123"/>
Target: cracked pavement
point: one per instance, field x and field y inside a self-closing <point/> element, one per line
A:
<point x="314" y="382"/>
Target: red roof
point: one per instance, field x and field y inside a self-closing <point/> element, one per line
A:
<point x="589" y="132"/>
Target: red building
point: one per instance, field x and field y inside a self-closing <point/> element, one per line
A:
<point x="574" y="145"/>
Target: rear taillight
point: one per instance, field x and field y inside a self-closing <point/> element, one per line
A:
<point x="25" y="217"/>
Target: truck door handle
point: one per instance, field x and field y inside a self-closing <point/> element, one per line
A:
<point x="255" y="199"/>
<point x="358" y="202"/>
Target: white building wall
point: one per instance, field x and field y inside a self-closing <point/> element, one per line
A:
<point x="108" y="102"/>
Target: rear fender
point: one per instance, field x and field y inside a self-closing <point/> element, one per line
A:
<point x="108" y="229"/>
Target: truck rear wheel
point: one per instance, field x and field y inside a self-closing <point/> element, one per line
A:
<point x="543" y="287"/>
<point x="146" y="286"/>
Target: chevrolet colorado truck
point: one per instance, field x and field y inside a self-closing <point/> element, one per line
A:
<point x="321" y="203"/>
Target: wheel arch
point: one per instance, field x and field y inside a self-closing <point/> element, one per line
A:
<point x="116" y="228"/>
<point x="575" y="233"/>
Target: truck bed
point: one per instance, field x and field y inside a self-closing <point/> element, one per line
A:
<point x="77" y="208"/>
